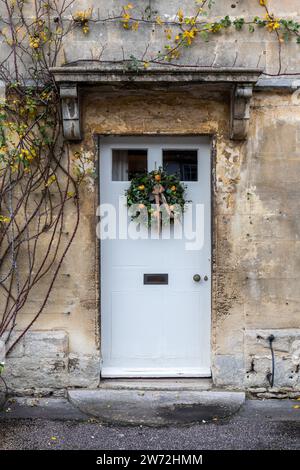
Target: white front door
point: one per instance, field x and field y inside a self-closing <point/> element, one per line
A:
<point x="163" y="329"/>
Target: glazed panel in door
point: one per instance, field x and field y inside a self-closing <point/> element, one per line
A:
<point x="155" y="330"/>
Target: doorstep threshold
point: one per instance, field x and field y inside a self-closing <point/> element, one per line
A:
<point x="175" y="384"/>
<point x="155" y="407"/>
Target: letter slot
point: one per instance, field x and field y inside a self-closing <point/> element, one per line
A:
<point x="156" y="279"/>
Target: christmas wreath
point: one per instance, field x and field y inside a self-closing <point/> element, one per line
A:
<point x="154" y="191"/>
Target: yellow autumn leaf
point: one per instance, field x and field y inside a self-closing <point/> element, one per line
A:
<point x="273" y="23"/>
<point x="180" y="15"/>
<point x="135" y="26"/>
<point x="168" y="33"/>
<point x="189" y="36"/>
<point x="51" y="180"/>
<point x="4" y="219"/>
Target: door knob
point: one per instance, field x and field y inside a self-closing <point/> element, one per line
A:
<point x="197" y="277"/>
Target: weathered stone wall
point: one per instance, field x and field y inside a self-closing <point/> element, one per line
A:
<point x="257" y="251"/>
<point x="256" y="240"/>
<point x="110" y="42"/>
<point x="256" y="201"/>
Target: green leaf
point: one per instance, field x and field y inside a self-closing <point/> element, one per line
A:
<point x="226" y="22"/>
<point x="204" y="35"/>
<point x="239" y="23"/>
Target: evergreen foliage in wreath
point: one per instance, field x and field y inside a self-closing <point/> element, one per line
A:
<point x="150" y="191"/>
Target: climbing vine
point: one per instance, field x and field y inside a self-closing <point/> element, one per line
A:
<point x="40" y="178"/>
<point x="38" y="187"/>
<point x="181" y="30"/>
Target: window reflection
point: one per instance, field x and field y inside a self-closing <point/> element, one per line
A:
<point x="127" y="163"/>
<point x="182" y="162"/>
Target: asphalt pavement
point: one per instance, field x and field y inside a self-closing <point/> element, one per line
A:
<point x="56" y="424"/>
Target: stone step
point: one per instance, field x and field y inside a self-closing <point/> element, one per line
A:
<point x="156" y="407"/>
<point x="157" y="384"/>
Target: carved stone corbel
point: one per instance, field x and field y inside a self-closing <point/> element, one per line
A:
<point x="70" y="111"/>
<point x="240" y="111"/>
<point x="238" y="82"/>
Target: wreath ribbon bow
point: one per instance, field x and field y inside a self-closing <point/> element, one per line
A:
<point x="159" y="197"/>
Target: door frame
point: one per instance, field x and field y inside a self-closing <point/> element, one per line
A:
<point x="212" y="166"/>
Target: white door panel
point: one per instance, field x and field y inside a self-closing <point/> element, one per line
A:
<point x="127" y="310"/>
<point x="155" y="330"/>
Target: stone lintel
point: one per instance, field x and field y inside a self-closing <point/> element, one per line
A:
<point x="239" y="82"/>
<point x="90" y="74"/>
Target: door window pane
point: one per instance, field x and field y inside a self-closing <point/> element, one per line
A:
<point x="128" y="163"/>
<point x="182" y="162"/>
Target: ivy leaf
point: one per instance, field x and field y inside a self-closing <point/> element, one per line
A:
<point x="239" y="23"/>
<point x="226" y="22"/>
<point x="204" y="35"/>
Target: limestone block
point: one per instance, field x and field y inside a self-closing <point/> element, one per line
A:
<point x="84" y="371"/>
<point x="286" y="376"/>
<point x="40" y="373"/>
<point x="5" y="343"/>
<point x="229" y="370"/>
<point x="46" y="344"/>
<point x="256" y="372"/>
<point x="286" y="347"/>
<point x="2" y="351"/>
<point x="279" y="314"/>
<point x="295" y="352"/>
<point x="18" y="349"/>
<point x="286" y="340"/>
